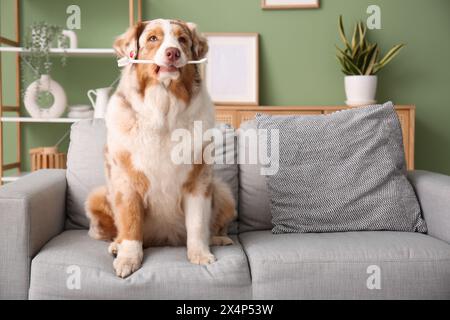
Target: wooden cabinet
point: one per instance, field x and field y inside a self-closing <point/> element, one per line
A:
<point x="235" y="115"/>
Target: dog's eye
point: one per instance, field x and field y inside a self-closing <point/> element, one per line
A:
<point x="153" y="39"/>
<point x="182" y="40"/>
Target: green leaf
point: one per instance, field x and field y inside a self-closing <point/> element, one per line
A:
<point x="391" y="55"/>
<point x="372" y="62"/>
<point x="342" y="33"/>
<point x="362" y="34"/>
<point x="368" y="56"/>
<point x="353" y="68"/>
<point x="355" y="34"/>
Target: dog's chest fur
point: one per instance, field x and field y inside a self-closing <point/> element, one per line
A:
<point x="150" y="145"/>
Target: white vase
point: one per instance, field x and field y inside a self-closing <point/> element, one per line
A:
<point x="45" y="84"/>
<point x="361" y="90"/>
<point x="73" y="39"/>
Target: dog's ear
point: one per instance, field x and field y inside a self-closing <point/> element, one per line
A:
<point x="200" y="43"/>
<point x="128" y="41"/>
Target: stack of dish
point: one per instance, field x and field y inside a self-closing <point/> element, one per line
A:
<point x="80" y="112"/>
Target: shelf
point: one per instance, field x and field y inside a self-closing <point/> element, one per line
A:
<point x="70" y="52"/>
<point x="38" y="120"/>
<point x="14" y="177"/>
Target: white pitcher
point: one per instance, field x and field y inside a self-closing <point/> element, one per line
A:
<point x="101" y="102"/>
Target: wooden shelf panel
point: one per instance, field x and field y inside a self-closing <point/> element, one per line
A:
<point x="37" y="120"/>
<point x="90" y="52"/>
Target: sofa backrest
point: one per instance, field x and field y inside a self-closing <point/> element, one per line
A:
<point x="85" y="169"/>
<point x="254" y="200"/>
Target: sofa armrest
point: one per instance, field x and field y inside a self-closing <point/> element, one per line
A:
<point x="433" y="191"/>
<point x="32" y="211"/>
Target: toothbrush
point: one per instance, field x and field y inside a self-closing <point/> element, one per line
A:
<point x="122" y="62"/>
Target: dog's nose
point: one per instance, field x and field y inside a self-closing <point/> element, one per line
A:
<point x="173" y="54"/>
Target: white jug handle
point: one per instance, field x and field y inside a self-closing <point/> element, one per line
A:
<point x="89" y="94"/>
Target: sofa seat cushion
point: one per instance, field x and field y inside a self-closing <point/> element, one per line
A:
<point x="346" y="265"/>
<point x="165" y="273"/>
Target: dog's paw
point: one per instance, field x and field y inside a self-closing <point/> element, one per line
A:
<point x="129" y="257"/>
<point x="113" y="248"/>
<point x="201" y="257"/>
<point x="221" y="241"/>
<point x="125" y="266"/>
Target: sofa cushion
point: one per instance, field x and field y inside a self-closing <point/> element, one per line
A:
<point x="165" y="273"/>
<point x="254" y="199"/>
<point x="336" y="265"/>
<point x="340" y="172"/>
<point x="85" y="167"/>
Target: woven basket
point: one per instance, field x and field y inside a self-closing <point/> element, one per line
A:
<point x="47" y="158"/>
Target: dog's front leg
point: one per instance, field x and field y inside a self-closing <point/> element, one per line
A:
<point x="129" y="219"/>
<point x="197" y="209"/>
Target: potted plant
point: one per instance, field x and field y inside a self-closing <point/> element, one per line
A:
<point x="41" y="38"/>
<point x="361" y="62"/>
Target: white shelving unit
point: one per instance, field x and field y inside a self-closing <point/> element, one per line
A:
<point x="89" y="52"/>
<point x="13" y="46"/>
<point x="38" y="120"/>
<point x="84" y="52"/>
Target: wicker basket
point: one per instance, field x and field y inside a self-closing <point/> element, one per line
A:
<point x="47" y="158"/>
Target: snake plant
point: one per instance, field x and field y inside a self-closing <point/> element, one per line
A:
<point x="360" y="57"/>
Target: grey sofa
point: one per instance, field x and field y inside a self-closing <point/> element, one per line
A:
<point x="44" y="245"/>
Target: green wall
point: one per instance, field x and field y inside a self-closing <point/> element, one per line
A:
<point x="297" y="63"/>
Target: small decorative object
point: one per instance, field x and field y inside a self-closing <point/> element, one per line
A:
<point x="290" y="4"/>
<point x="80" y="112"/>
<point x="100" y="104"/>
<point x="47" y="85"/>
<point x="360" y="61"/>
<point x="232" y="72"/>
<point x="47" y="158"/>
<point x="72" y="40"/>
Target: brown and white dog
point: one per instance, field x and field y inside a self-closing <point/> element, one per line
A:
<point x="149" y="200"/>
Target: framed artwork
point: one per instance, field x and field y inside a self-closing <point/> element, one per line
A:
<point x="232" y="71"/>
<point x="290" y="4"/>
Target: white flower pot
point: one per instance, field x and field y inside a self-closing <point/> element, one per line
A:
<point x="361" y="90"/>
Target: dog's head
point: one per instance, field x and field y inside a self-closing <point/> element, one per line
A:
<point x="170" y="43"/>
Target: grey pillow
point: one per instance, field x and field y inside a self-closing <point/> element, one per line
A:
<point x="85" y="167"/>
<point x="341" y="172"/>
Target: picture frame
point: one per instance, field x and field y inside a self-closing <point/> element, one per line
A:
<point x="232" y="71"/>
<point x="290" y="4"/>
